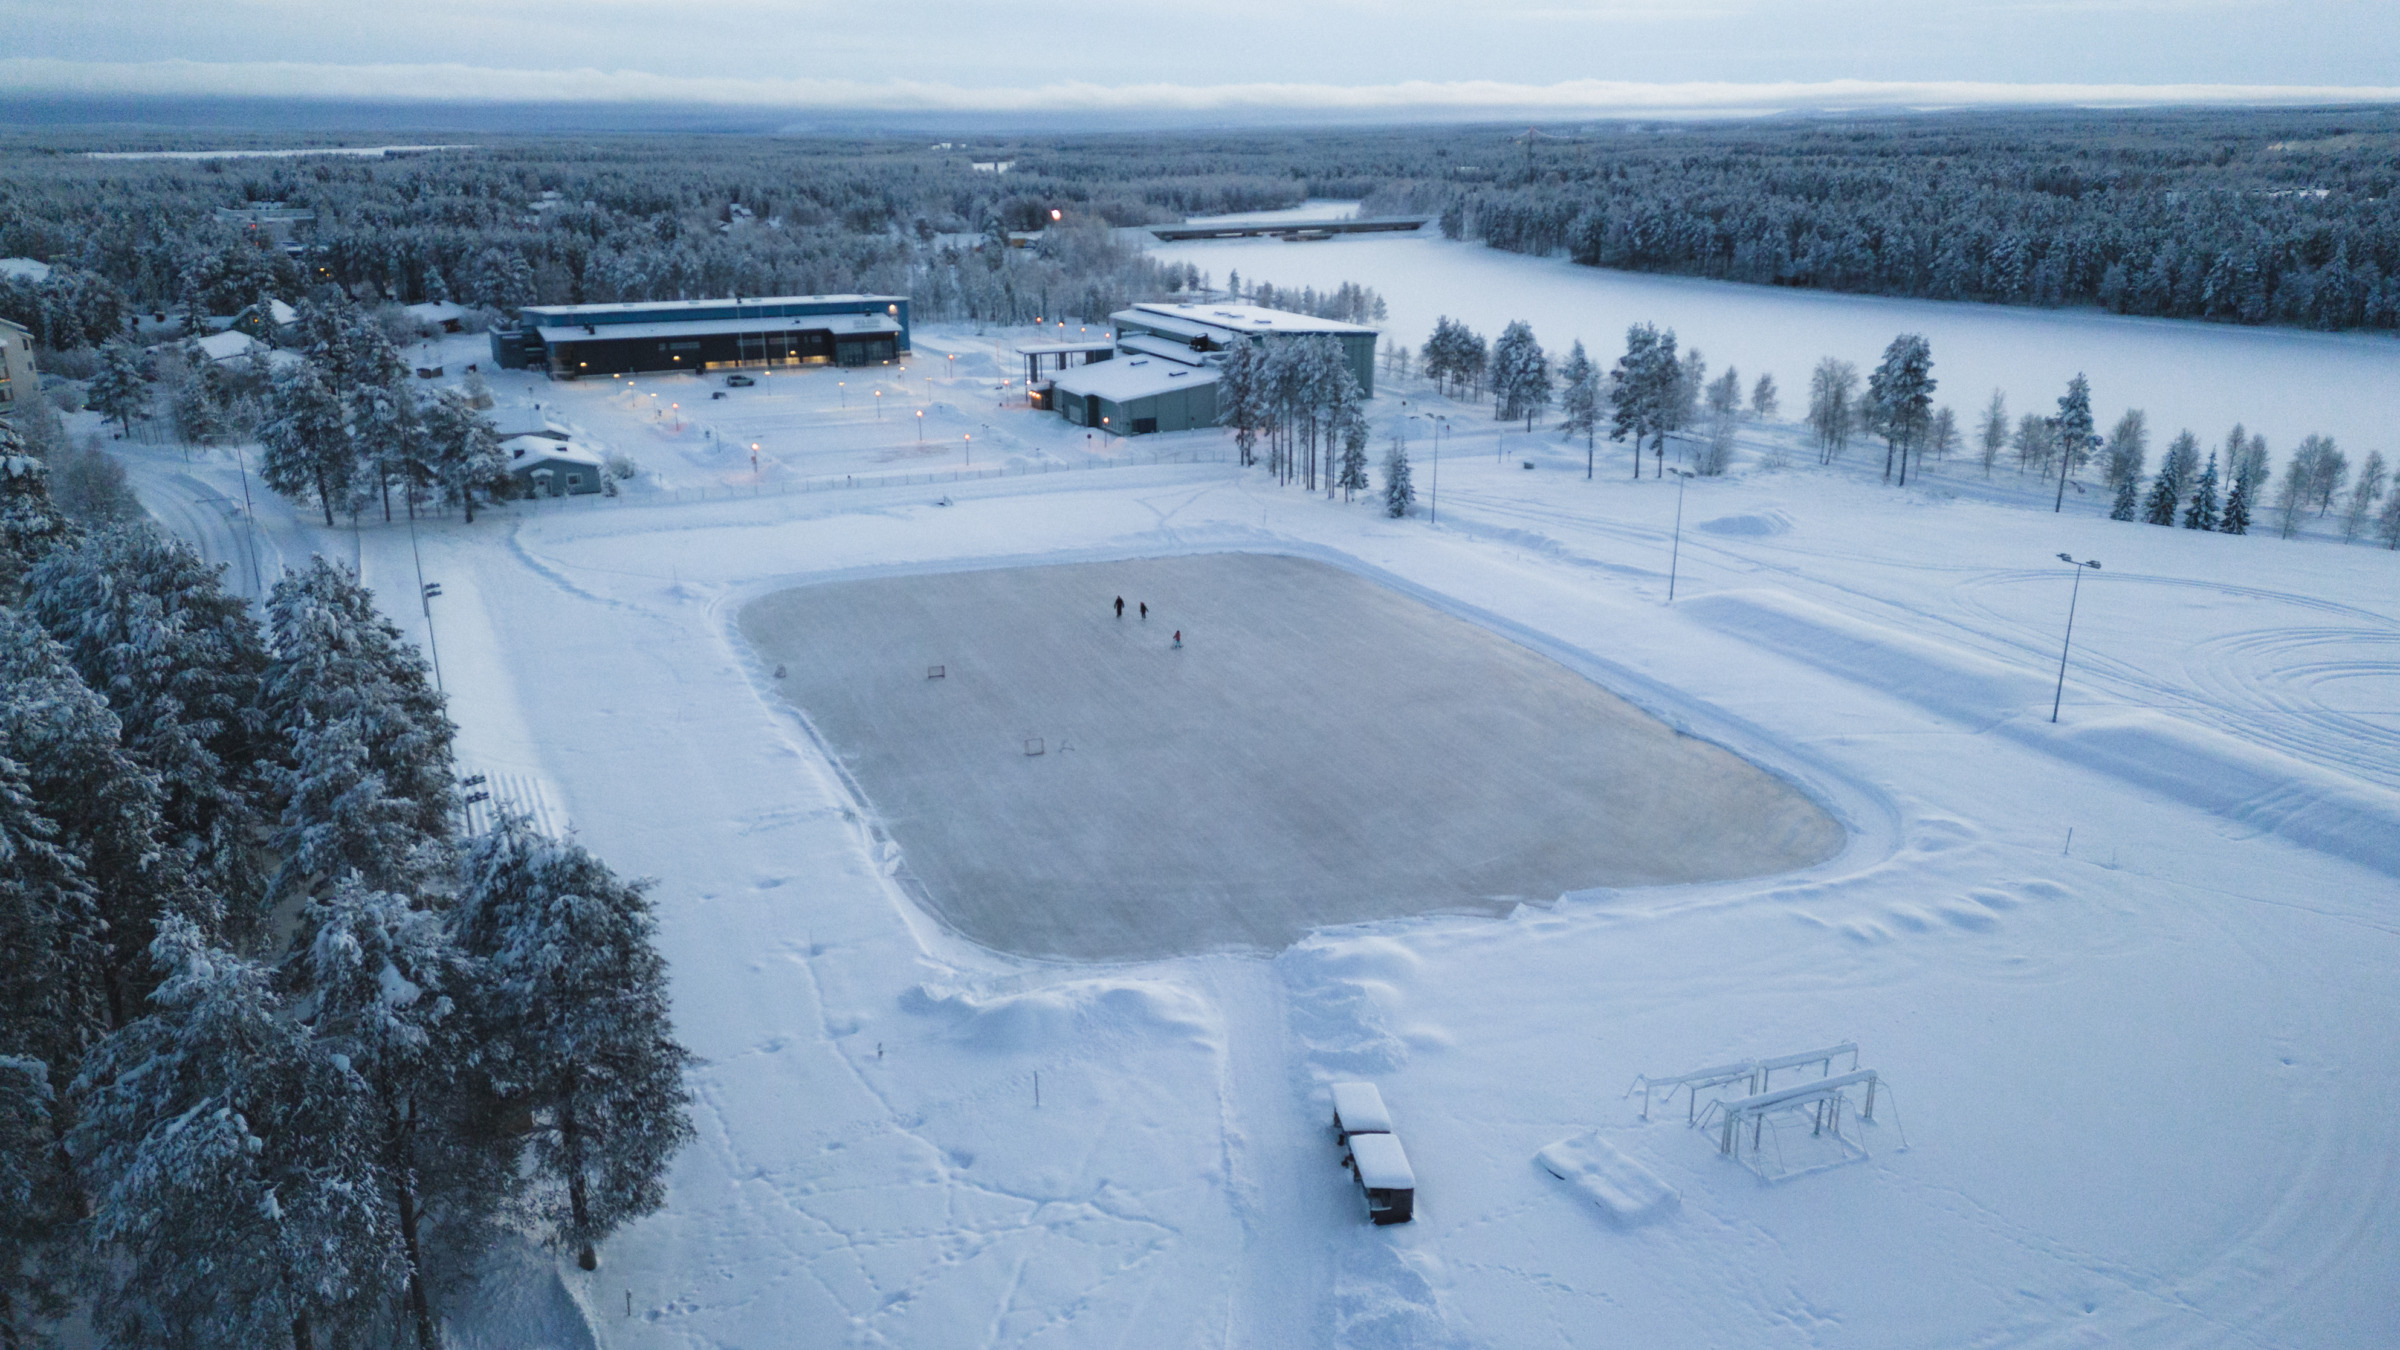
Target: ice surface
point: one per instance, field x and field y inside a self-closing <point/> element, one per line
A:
<point x="1627" y="1192"/>
<point x="1321" y="749"/>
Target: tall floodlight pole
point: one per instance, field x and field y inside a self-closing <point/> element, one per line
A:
<point x="425" y="594"/>
<point x="257" y="587"/>
<point x="2072" y="596"/>
<point x="1675" y="554"/>
<point x="1433" y="498"/>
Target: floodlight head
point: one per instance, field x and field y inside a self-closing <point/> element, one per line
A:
<point x="2094" y="564"/>
<point x="2065" y="559"/>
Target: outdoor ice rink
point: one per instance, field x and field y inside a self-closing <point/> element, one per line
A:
<point x="1322" y="750"/>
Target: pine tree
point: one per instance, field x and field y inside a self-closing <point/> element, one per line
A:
<point x="117" y="391"/>
<point x="1900" y="399"/>
<point x="30" y="522"/>
<point x="464" y="455"/>
<point x="370" y="786"/>
<point x="380" y="982"/>
<point x="1239" y="396"/>
<point x="1399" y="494"/>
<point x="2128" y="500"/>
<point x="306" y="449"/>
<point x="231" y="1165"/>
<point x="150" y="626"/>
<point x="105" y="805"/>
<point x="581" y="994"/>
<point x="38" y="1204"/>
<point x="1520" y="375"/>
<point x="1579" y="402"/>
<point x="2071" y="432"/>
<point x="1647" y="393"/>
<point x="2202" y="513"/>
<point x="1354" y="455"/>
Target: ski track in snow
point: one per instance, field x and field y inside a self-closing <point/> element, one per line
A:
<point x="2143" y="1078"/>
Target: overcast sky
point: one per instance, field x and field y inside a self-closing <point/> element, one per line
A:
<point x="1358" y="55"/>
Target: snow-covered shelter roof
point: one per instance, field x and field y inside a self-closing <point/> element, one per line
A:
<point x="1129" y="378"/>
<point x="25" y="269"/>
<point x="526" y="451"/>
<point x="523" y="421"/>
<point x="281" y="314"/>
<point x="437" y="311"/>
<point x="1382" y="1163"/>
<point x="1152" y="345"/>
<point x="1239" y="319"/>
<point x="684" y="328"/>
<point x="227" y="345"/>
<point x="1360" y="1109"/>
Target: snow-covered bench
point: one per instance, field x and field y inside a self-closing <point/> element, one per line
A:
<point x="1372" y="1153"/>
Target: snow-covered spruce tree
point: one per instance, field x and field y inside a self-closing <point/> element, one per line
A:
<point x="1520" y="375"/>
<point x="1579" y="402"/>
<point x="2178" y="469"/>
<point x="232" y="1168"/>
<point x="151" y="627"/>
<point x="1900" y="399"/>
<point x="30" y="523"/>
<point x="38" y="1204"/>
<point x="1399" y="493"/>
<point x="1241" y="397"/>
<point x="2072" y="435"/>
<point x="2236" y="519"/>
<point x="105" y="804"/>
<point x="118" y="392"/>
<point x="576" y="994"/>
<point x="2363" y="494"/>
<point x="1646" y="397"/>
<point x="2202" y="513"/>
<point x="380" y="980"/>
<point x="1354" y="455"/>
<point x="370" y="787"/>
<point x="2128" y="501"/>
<point x="305" y="435"/>
<point x="463" y="456"/>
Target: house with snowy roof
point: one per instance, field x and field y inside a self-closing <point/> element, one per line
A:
<point x="545" y="466"/>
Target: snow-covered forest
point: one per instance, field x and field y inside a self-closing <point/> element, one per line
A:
<point x="283" y="1049"/>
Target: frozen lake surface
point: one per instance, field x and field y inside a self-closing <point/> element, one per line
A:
<point x="1321" y="750"/>
<point x="2283" y="382"/>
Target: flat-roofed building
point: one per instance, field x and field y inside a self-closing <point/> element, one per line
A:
<point x="572" y="341"/>
<point x="1135" y="395"/>
<point x="1206" y="329"/>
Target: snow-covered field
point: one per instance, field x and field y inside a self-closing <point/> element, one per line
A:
<point x="2142" y="1070"/>
<point x="2207" y="377"/>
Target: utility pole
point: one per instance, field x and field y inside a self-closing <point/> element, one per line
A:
<point x="1675" y="554"/>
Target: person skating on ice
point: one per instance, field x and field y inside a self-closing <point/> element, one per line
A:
<point x="1120" y="607"/>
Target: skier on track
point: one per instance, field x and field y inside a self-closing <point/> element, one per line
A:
<point x="1179" y="639"/>
<point x="1120" y="607"/>
<point x="1145" y="611"/>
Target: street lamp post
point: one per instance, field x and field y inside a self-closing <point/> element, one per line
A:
<point x="257" y="587"/>
<point x="2072" y="596"/>
<point x="1675" y="554"/>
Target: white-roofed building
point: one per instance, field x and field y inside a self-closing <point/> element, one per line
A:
<point x="1135" y="395"/>
<point x="544" y="467"/>
<point x="445" y="315"/>
<point x="1207" y="329"/>
<point x="18" y="379"/>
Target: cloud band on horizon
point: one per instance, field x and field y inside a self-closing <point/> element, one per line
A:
<point x="47" y="77"/>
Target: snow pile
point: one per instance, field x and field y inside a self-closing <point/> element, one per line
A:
<point x="1749" y="525"/>
<point x="1627" y="1192"/>
<point x="1949" y="680"/>
<point x="1060" y="1015"/>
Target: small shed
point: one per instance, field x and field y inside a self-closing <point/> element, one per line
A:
<point x="1136" y="395"/>
<point x="552" y="468"/>
<point x="444" y="315"/>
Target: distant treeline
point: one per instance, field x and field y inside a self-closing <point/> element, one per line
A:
<point x="2251" y="217"/>
<point x="2254" y="218"/>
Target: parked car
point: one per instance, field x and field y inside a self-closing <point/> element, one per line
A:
<point x="1372" y="1153"/>
<point x="739" y="381"/>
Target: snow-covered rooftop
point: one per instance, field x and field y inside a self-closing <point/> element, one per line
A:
<point x="1128" y="378"/>
<point x="227" y="345"/>
<point x="437" y="311"/>
<point x="570" y="312"/>
<point x="1151" y="345"/>
<point x="614" y="332"/>
<point x="524" y="451"/>
<point x="1241" y="318"/>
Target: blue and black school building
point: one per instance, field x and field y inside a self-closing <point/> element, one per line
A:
<point x="572" y="341"/>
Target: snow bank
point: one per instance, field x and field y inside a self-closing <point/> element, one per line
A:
<point x="1750" y="525"/>
<point x="2248" y="784"/>
<point x="1948" y="680"/>
<point x="1627" y="1192"/>
<point x="1062" y="1014"/>
<point x="2251" y="785"/>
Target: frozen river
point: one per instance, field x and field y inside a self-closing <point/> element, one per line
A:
<point x="2202" y="376"/>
